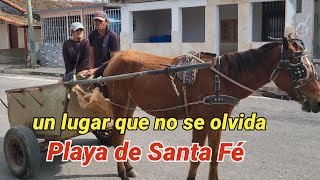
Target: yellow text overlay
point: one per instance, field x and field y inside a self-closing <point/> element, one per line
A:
<point x="85" y="124"/>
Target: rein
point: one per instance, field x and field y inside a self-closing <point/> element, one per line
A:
<point x="297" y="72"/>
<point x="226" y="77"/>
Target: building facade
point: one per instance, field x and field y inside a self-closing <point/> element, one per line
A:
<point x="14" y="33"/>
<point x="175" y="27"/>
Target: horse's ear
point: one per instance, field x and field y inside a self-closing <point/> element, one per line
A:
<point x="285" y="43"/>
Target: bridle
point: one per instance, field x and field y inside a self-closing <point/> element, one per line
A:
<point x="297" y="72"/>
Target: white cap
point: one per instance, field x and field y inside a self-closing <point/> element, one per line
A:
<point x="75" y="26"/>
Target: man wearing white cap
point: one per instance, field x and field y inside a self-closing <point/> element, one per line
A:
<point x="104" y="43"/>
<point x="75" y="52"/>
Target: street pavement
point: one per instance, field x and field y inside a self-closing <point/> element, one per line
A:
<point x="288" y="149"/>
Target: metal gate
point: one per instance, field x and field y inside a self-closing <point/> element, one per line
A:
<point x="273" y="19"/>
<point x="57" y="29"/>
<point x="114" y="16"/>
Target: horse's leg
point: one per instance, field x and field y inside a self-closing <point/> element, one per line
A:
<point x="118" y="138"/>
<point x="130" y="171"/>
<point x="214" y="142"/>
<point x="197" y="137"/>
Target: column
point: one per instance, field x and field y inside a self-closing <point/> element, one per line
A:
<point x="290" y="12"/>
<point x="244" y="26"/>
<point x="176" y="30"/>
<point x="211" y="28"/>
<point x="126" y="34"/>
<point x="304" y="24"/>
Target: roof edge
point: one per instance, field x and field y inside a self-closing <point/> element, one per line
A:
<point x="77" y="7"/>
<point x="15" y="6"/>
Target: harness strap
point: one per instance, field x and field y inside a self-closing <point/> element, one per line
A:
<point x="315" y="76"/>
<point x="297" y="72"/>
<point x="182" y="99"/>
<point x="296" y="55"/>
<point x="217" y="77"/>
<point x="219" y="99"/>
<point x="184" y="92"/>
<point x="276" y="71"/>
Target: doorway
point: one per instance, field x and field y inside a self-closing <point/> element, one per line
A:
<point x="13" y="36"/>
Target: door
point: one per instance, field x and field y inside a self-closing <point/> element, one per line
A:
<point x="13" y="35"/>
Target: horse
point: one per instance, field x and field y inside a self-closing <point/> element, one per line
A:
<point x="285" y="62"/>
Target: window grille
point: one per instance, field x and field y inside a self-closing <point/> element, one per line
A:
<point x="57" y="29"/>
<point x="273" y="19"/>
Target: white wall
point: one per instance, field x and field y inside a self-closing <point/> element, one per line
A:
<point x="151" y="23"/>
<point x="257" y="22"/>
<point x="37" y="37"/>
<point x="193" y="24"/>
<point x="20" y="37"/>
<point x="4" y="36"/>
<point x="305" y="20"/>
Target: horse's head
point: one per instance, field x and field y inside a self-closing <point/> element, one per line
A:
<point x="296" y="75"/>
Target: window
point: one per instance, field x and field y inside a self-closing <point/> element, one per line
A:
<point x="152" y="26"/>
<point x="299" y="6"/>
<point x="54" y="29"/>
<point x="273" y="20"/>
<point x="268" y="20"/>
<point x="193" y="24"/>
<point x="229" y="30"/>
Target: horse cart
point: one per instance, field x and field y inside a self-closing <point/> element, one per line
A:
<point x="21" y="143"/>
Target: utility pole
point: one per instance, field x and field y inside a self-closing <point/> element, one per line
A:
<point x="31" y="44"/>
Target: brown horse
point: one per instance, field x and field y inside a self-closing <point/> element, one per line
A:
<point x="282" y="62"/>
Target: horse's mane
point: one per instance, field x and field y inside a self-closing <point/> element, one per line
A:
<point x="239" y="64"/>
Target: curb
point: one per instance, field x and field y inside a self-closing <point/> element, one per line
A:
<point x="276" y="95"/>
<point x="20" y="71"/>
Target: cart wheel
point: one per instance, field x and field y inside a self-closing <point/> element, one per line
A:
<point x="104" y="137"/>
<point x="22" y="152"/>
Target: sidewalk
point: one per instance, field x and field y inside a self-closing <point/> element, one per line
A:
<point x="275" y="92"/>
<point x="22" y="69"/>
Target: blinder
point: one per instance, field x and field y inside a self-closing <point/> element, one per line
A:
<point x="297" y="71"/>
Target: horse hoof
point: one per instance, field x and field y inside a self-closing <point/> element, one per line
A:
<point x="132" y="173"/>
<point x="123" y="176"/>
